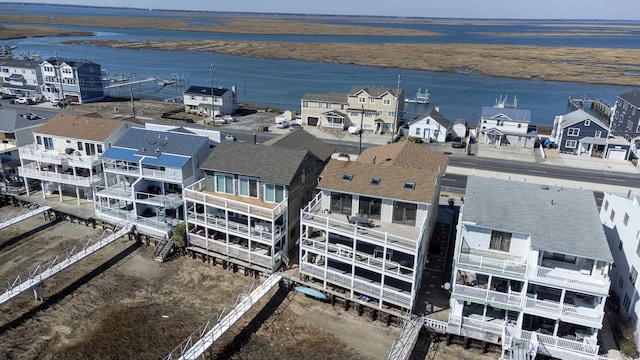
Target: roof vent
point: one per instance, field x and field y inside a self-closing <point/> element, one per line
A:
<point x="544" y="187"/>
<point x="157" y="150"/>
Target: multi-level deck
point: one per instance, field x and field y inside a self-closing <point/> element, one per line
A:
<point x="378" y="263"/>
<point x="239" y="229"/>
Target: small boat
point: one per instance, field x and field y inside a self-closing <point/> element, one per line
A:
<point x="311" y="292"/>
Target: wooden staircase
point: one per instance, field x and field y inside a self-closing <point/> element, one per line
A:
<point x="163" y="249"/>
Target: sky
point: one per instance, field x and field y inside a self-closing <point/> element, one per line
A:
<point x="486" y="9"/>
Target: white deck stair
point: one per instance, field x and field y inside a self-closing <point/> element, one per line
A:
<point x="163" y="249"/>
<point x="405" y="341"/>
<point x="32" y="210"/>
<point x="34" y="279"/>
<point x="203" y="338"/>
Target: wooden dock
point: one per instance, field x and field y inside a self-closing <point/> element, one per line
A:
<point x="598" y="106"/>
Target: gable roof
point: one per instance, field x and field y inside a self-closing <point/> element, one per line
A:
<point x="407" y="164"/>
<point x="521" y="115"/>
<point x="558" y="219"/>
<point x="17" y="63"/>
<point x="579" y="116"/>
<point x="203" y="90"/>
<point x="373" y="91"/>
<point x="75" y="63"/>
<point x="300" y="139"/>
<point x="271" y="164"/>
<point x="632" y="97"/>
<point x="91" y="127"/>
<point x="145" y="142"/>
<point x="405" y="154"/>
<point x="435" y="115"/>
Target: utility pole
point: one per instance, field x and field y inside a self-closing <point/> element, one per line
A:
<point x="212" y="100"/>
<point x="59" y="73"/>
<point x="133" y="106"/>
<point x="395" y="118"/>
<point x="360" y="130"/>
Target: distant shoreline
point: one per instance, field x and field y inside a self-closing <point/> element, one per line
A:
<point x="610" y="66"/>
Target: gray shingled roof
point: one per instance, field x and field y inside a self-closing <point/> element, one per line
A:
<point x="168" y="142"/>
<point x="632" y="97"/>
<point x="561" y="220"/>
<point x="12" y="120"/>
<point x="27" y="64"/>
<point x="578" y="116"/>
<point x="333" y="97"/>
<point x="299" y="139"/>
<point x="203" y="90"/>
<point x="513" y="114"/>
<point x="274" y="165"/>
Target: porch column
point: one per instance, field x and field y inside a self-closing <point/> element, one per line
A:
<point x="78" y="194"/>
<point x="60" y="190"/>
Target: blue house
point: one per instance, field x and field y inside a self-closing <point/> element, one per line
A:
<point x="582" y="134"/>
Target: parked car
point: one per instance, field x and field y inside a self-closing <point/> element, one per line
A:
<point x="21" y="101"/>
<point x="294" y="126"/>
<point x="60" y="102"/>
<point x="283" y="125"/>
<point x="229" y="118"/>
<point x="230" y="137"/>
<point x="457" y="142"/>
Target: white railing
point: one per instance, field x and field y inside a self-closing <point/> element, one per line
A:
<point x="236" y="228"/>
<point x="481" y="262"/>
<point x="172" y="174"/>
<point x="31" y="210"/>
<point x="194" y="346"/>
<point x="370" y="288"/>
<point x="571" y="279"/>
<point x="551" y="342"/>
<point x="167" y="201"/>
<point x="53" y="176"/>
<point x="437" y="325"/>
<point x="44" y="271"/>
<point x="552" y="309"/>
<point x="231" y="250"/>
<point x="514" y="300"/>
<point x="404" y="342"/>
<point x="485" y="326"/>
<point x="362" y="259"/>
<point x="121" y="168"/>
<point x="58" y="157"/>
<point x="326" y="223"/>
<point x="195" y="192"/>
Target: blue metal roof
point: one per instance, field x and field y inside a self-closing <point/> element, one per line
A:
<point x="121" y="154"/>
<point x="171" y="161"/>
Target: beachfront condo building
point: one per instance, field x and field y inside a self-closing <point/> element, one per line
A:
<point x="245" y="210"/>
<point x="365" y="235"/>
<point x="625" y="120"/>
<point x="620" y="216"/>
<point x="144" y="174"/>
<point x="372" y="109"/>
<point x="530" y="269"/>
<point x="79" y="81"/>
<point x="64" y="155"/>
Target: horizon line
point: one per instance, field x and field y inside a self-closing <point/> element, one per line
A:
<point x="319" y="14"/>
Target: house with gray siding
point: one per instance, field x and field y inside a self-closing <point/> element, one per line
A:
<point x="625" y="120"/>
<point x="244" y="211"/>
<point x="531" y="272"/>
<point x="20" y="77"/>
<point x="80" y="81"/>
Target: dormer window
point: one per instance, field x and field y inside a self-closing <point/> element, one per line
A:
<point x="409" y="185"/>
<point x="347" y="177"/>
<point x="375" y="181"/>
